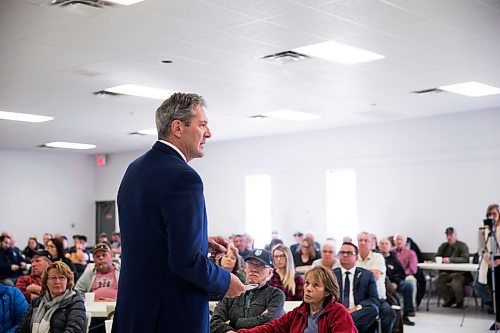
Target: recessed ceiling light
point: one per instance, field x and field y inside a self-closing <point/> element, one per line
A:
<point x="148" y="131"/>
<point x="125" y="2"/>
<point x="337" y="52"/>
<point x="471" y="89"/>
<point x="141" y="91"/>
<point x="291" y="115"/>
<point x="69" y="145"/>
<point x="31" y="118"/>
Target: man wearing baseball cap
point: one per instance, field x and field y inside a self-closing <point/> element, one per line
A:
<point x="260" y="304"/>
<point x="103" y="279"/>
<point x="450" y="284"/>
<point x="31" y="285"/>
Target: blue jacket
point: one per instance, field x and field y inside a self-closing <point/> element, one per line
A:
<point x="13" y="306"/>
<point x="166" y="277"/>
<point x="364" y="289"/>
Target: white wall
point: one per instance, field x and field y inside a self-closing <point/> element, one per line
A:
<point x="414" y="176"/>
<point x="46" y="192"/>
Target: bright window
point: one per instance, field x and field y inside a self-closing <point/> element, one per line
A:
<point x="258" y="208"/>
<point x="341" y="204"/>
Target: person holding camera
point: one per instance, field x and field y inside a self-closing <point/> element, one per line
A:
<point x="485" y="284"/>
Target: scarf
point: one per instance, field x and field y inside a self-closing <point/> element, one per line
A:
<point x="40" y="321"/>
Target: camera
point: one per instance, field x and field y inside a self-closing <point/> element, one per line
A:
<point x="489" y="222"/>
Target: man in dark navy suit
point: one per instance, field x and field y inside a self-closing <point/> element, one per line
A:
<point x="358" y="290"/>
<point x="166" y="276"/>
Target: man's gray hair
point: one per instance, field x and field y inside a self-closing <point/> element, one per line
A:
<point x="179" y="106"/>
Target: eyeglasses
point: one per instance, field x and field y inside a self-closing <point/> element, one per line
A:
<point x="279" y="256"/>
<point x="57" y="278"/>
<point x="327" y="252"/>
<point x="348" y="253"/>
<point x="255" y="265"/>
<point x="50" y="246"/>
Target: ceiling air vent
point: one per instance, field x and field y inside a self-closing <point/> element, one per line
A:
<point x="286" y="57"/>
<point x="89" y="3"/>
<point x="428" y="91"/>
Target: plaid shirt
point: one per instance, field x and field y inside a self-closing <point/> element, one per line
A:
<point x="275" y="281"/>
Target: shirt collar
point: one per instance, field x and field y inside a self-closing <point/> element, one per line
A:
<point x="174" y="148"/>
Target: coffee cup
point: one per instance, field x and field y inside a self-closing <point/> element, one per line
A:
<point x="439" y="260"/>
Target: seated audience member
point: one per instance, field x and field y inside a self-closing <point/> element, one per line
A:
<point x="11" y="263"/>
<point x="374" y="243"/>
<point x="46" y="236"/>
<point x="257" y="306"/>
<point x="396" y="275"/>
<point x="240" y="242"/>
<point x="284" y="276"/>
<point x="64" y="241"/>
<point x="13" y="306"/>
<point x="116" y="243"/>
<point x="103" y="279"/>
<point x="375" y="262"/>
<point x="358" y="289"/>
<point x="307" y="253"/>
<point x="317" y="246"/>
<point x="408" y="259"/>
<point x="299" y="237"/>
<point x="55" y="247"/>
<point x="250" y="241"/>
<point x="59" y="308"/>
<point x="231" y="262"/>
<point x="31" y="285"/>
<point x="327" y="256"/>
<point x="483" y="285"/>
<point x="450" y="284"/>
<point x="274" y="235"/>
<point x="347" y="239"/>
<point x="103" y="238"/>
<point x="30" y="248"/>
<point x="320" y="312"/>
<point x="79" y="255"/>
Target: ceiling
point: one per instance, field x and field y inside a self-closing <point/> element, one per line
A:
<point x="54" y="58"/>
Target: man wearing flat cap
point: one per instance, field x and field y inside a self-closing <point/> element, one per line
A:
<point x="449" y="284"/>
<point x="31" y="285"/>
<point x="257" y="306"/>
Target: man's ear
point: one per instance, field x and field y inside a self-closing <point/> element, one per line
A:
<point x="177" y="127"/>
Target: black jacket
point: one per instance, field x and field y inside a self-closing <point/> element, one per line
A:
<point x="69" y="318"/>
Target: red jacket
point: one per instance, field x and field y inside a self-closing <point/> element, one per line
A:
<point x="334" y="318"/>
<point x="24" y="281"/>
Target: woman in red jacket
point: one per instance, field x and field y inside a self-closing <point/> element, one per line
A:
<point x="319" y="313"/>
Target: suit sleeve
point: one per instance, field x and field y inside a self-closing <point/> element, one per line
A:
<point x="183" y="210"/>
<point x="372" y="294"/>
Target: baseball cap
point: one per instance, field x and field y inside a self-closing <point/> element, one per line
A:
<point x="42" y="253"/>
<point x="102" y="247"/>
<point x="261" y="255"/>
<point x="298" y="234"/>
<point x="449" y="231"/>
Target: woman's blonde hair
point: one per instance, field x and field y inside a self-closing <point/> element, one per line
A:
<point x="323" y="274"/>
<point x="289" y="276"/>
<point x="63" y="269"/>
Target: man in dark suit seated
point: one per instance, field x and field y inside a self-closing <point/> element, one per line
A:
<point x="359" y="292"/>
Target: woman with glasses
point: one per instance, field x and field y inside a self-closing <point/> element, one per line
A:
<point x="284" y="277"/>
<point x="319" y="312"/>
<point x="55" y="247"/>
<point x="231" y="261"/>
<point x="307" y="253"/>
<point x="59" y="308"/>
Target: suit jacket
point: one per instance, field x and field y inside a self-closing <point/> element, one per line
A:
<point x="166" y="277"/>
<point x="364" y="288"/>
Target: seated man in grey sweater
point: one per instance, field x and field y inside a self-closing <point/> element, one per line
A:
<point x="257" y="306"/>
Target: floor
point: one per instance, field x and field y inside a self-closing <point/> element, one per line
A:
<point x="448" y="320"/>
